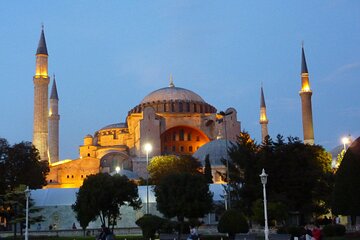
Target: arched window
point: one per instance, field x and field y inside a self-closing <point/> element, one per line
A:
<point x="181" y="107"/>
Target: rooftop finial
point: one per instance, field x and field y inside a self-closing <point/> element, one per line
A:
<point x="171" y="81"/>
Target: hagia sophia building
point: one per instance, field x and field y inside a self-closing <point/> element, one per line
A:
<point x="174" y="120"/>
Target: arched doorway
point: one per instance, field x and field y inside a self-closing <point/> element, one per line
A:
<point x="182" y="140"/>
<point x="111" y="160"/>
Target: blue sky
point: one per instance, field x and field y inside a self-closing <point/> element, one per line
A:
<point x="108" y="55"/>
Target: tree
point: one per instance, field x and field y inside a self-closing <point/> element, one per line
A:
<point x="232" y="222"/>
<point x="183" y="195"/>
<point x="20" y="166"/>
<point x="149" y="225"/>
<point x="346" y="195"/>
<point x="277" y="212"/>
<point x="207" y="170"/>
<point x="102" y="195"/>
<point x="300" y="175"/>
<point x="161" y="166"/>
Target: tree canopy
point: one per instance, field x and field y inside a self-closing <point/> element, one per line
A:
<point x="161" y="166"/>
<point x="102" y="195"/>
<point x="20" y="164"/>
<point x="183" y="195"/>
<point x="346" y="195"/>
<point x="299" y="175"/>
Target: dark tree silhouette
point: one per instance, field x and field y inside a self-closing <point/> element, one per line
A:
<point x="346" y="195"/>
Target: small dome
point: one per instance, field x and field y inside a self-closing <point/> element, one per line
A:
<point x="115" y="125"/>
<point x="129" y="174"/>
<point x="172" y="93"/>
<point x="88" y="136"/>
<point x="216" y="149"/>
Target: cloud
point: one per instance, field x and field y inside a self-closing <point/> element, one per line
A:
<point x="341" y="70"/>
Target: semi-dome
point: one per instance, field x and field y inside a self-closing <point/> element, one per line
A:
<point x="216" y="150"/>
<point x="172" y="93"/>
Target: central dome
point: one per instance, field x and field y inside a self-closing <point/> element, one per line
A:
<point x="172" y="93"/>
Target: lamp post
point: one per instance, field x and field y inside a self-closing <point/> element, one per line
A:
<point x="27" y="195"/>
<point x="263" y="177"/>
<point x="148" y="149"/>
<point x="345" y="141"/>
<point x="227" y="204"/>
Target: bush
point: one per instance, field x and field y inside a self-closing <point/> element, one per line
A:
<point x="149" y="225"/>
<point x="334" y="230"/>
<point x="232" y="222"/>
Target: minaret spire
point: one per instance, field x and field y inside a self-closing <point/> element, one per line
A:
<point x="306" y="106"/>
<point x="304" y="68"/>
<point x="263" y="118"/>
<point x="54" y="93"/>
<point x="41" y="110"/>
<point x="42" y="49"/>
<point x="54" y="118"/>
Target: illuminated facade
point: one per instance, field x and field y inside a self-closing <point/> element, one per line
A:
<point x="173" y="120"/>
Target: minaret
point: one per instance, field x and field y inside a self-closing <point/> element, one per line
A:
<point x="54" y="118"/>
<point x="305" y="95"/>
<point x="41" y="83"/>
<point x="263" y="118"/>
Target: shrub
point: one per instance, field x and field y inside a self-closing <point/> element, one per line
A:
<point x="149" y="225"/>
<point x="334" y="230"/>
<point x="232" y="222"/>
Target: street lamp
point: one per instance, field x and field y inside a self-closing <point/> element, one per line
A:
<point x="27" y="195"/>
<point x="117" y="169"/>
<point x="148" y="149"/>
<point x="227" y="161"/>
<point x="345" y="141"/>
<point x="263" y="177"/>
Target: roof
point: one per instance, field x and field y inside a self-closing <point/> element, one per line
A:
<point x="67" y="196"/>
<point x="217" y="151"/>
<point x="172" y="93"/>
<point x="114" y="125"/>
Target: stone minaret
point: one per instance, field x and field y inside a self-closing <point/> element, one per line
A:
<point x="263" y="118"/>
<point x="54" y="118"/>
<point x="305" y="94"/>
<point x="41" y="83"/>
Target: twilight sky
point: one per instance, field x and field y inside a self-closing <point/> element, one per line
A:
<point x="108" y="55"/>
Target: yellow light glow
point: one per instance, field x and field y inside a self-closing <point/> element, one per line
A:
<point x="263" y="117"/>
<point x="345" y="140"/>
<point x="50" y="112"/>
<point x="60" y="162"/>
<point x="306" y="88"/>
<point x="148" y="147"/>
